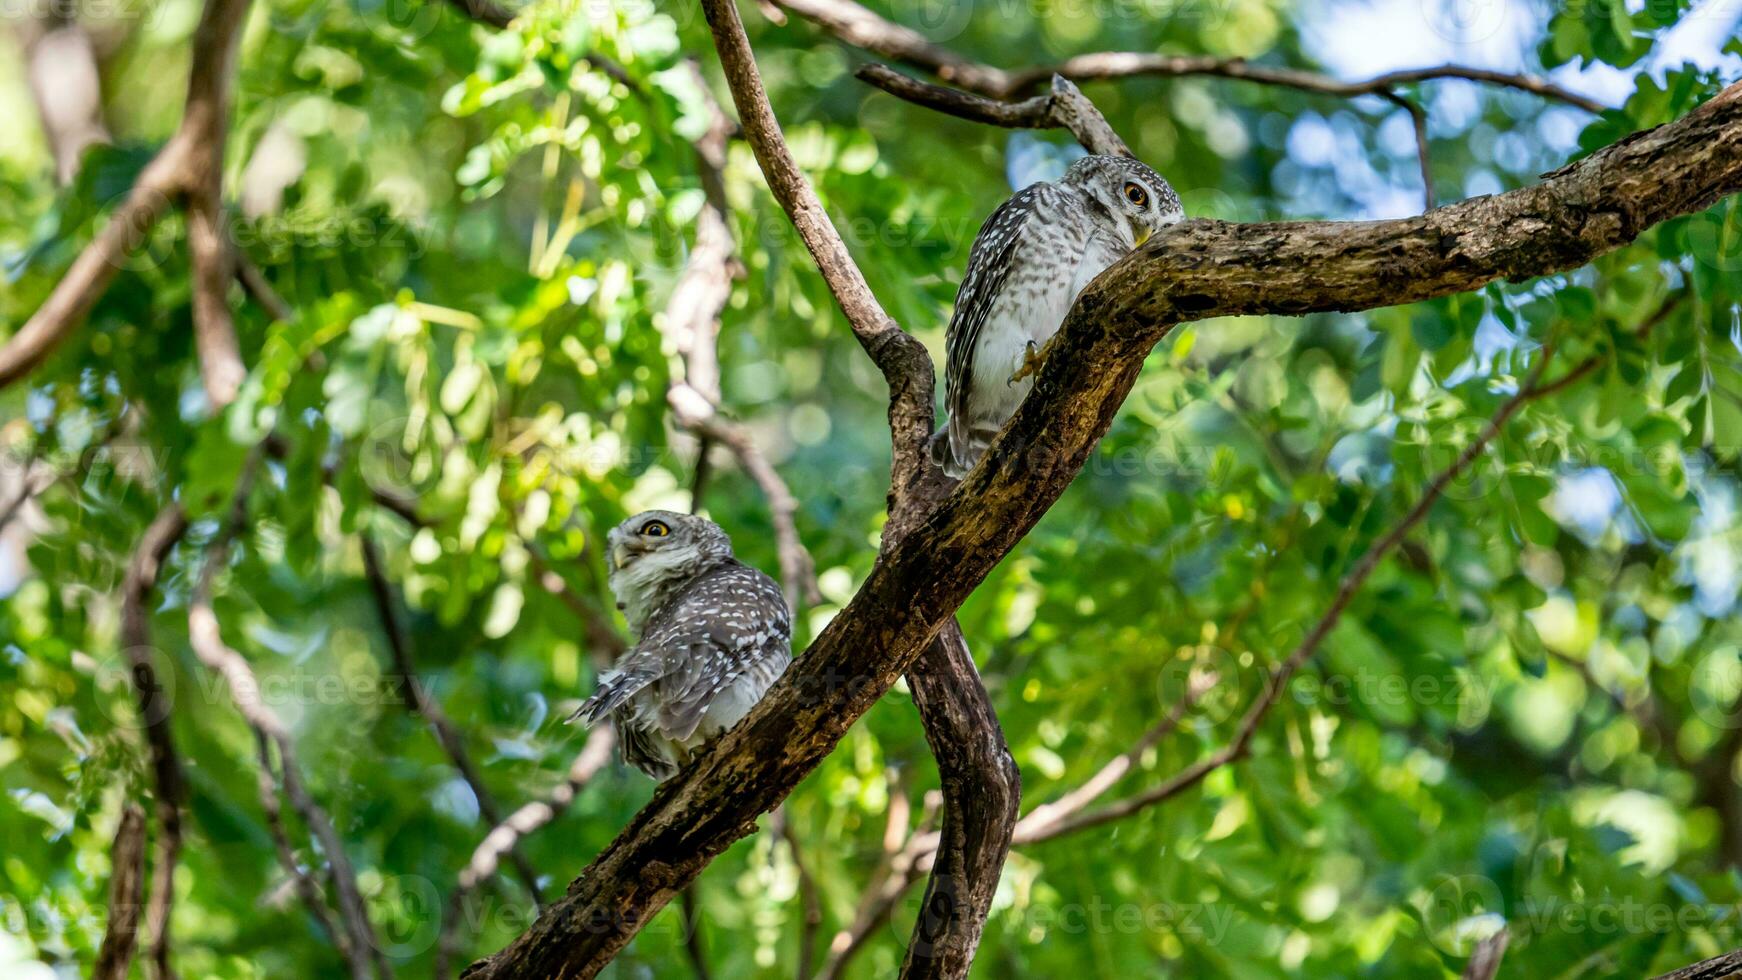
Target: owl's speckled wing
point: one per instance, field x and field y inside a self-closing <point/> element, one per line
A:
<point x="1017" y="285"/>
<point x="732" y="623"/>
<point x="989" y="262"/>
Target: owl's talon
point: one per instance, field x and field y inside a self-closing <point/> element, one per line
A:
<point x="1032" y="358"/>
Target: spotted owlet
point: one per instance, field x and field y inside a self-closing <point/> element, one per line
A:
<point x="712" y="634"/>
<point x="1031" y="259"/>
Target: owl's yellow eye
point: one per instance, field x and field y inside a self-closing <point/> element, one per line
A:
<point x="1136" y="194"/>
<point x="656" y="529"/>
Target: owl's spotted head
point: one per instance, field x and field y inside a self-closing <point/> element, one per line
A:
<point x="1139" y="199"/>
<point x="654" y="554"/>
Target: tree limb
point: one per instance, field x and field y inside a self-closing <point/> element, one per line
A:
<point x="154" y="713"/>
<point x="205" y="127"/>
<point x="1193" y="271"/>
<point x="1726" y="967"/>
<point x="420" y="702"/>
<point x="180" y="169"/>
<point x="208" y="644"/>
<point x="692" y="321"/>
<point x="126" y="895"/>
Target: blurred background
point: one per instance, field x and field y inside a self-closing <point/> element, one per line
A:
<point x="1527" y="720"/>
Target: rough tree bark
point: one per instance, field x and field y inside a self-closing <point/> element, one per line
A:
<point x="1197" y="270"/>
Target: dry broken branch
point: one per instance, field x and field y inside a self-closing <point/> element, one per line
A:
<point x="420" y="702"/>
<point x="502" y="838"/>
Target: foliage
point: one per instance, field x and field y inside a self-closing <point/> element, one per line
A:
<point x="1528" y="713"/>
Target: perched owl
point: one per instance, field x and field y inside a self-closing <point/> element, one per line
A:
<point x="1031" y="259"/>
<point x="712" y="635"/>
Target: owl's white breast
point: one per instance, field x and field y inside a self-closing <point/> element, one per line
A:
<point x="1032" y="307"/>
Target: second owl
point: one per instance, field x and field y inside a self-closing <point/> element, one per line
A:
<point x="1029" y="262"/>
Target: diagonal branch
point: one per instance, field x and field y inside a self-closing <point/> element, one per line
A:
<point x="207" y="640"/>
<point x="503" y="837"/>
<point x="692" y="321"/>
<point x="419" y="701"/>
<point x="204" y="128"/>
<point x="1192" y="271"/>
<point x="180" y="169"/>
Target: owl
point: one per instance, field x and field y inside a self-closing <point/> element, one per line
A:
<point x="711" y="632"/>
<point x="1029" y="262"/>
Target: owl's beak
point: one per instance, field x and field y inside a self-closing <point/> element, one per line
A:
<point x="620" y="555"/>
<point x="1143" y="235"/>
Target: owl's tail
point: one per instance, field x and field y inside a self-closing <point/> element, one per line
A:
<point x="945" y="454"/>
<point x="615" y="688"/>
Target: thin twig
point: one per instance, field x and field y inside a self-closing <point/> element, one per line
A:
<point x="501" y="839"/>
<point x="419" y="701"/>
<point x="1065" y="107"/>
<point x="1279" y="677"/>
<point x="306" y="887"/>
<point x="861" y="28"/>
<point x="206" y="638"/>
<point x="1418" y="120"/>
<point x="692" y="933"/>
<point x="692" y="320"/>
<point x="809" y="895"/>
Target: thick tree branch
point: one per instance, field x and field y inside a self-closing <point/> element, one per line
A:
<point x="982" y="789"/>
<point x="154" y="708"/>
<point x="1193" y="271"/>
<point x="861" y="28"/>
<point x="980" y="780"/>
<point x="126" y="895"/>
<point x="1726" y="967"/>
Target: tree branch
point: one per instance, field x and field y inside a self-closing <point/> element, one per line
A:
<point x="502" y="838"/>
<point x="61" y="67"/>
<point x="1065" y="107"/>
<point x="860" y="28"/>
<point x="205" y="127"/>
<point x="182" y="168"/>
<point x="208" y="644"/>
<point x="903" y="360"/>
<point x="692" y="321"/>
<point x="126" y="895"/>
<point x="1192" y="271"/>
<point x="154" y="713"/>
<point x="1725" y="967"/>
<point x="419" y="701"/>
<point x="1484" y="962"/>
